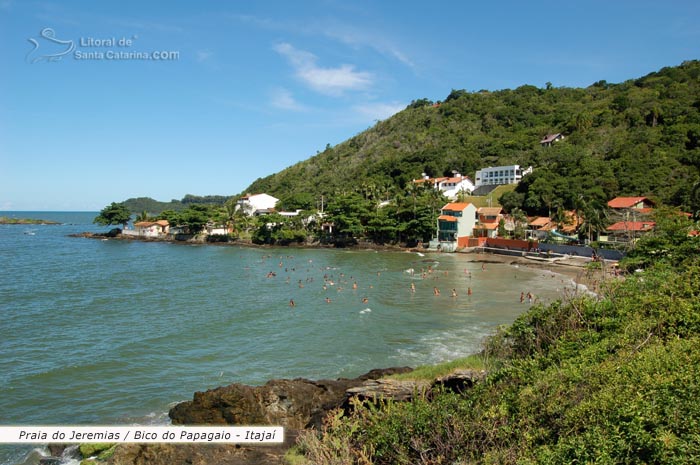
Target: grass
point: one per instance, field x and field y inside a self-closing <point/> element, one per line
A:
<point x="431" y="372"/>
<point x="483" y="200"/>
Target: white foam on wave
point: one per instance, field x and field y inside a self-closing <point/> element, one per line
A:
<point x="443" y="346"/>
<point x="366" y="310"/>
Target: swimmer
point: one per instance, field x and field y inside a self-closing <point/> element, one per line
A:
<point x="454" y="292"/>
<point x="291" y="303"/>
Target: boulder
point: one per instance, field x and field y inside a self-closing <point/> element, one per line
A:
<point x="295" y="404"/>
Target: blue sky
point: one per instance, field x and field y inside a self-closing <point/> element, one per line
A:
<point x="254" y="87"/>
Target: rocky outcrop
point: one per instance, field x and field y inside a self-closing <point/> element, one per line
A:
<point x="295" y="404"/>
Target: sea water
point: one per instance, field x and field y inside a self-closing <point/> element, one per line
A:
<point x="98" y="332"/>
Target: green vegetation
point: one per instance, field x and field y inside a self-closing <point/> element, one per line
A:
<point x="113" y="214"/>
<point x="613" y="379"/>
<point x="155" y="207"/>
<point x="640" y="137"/>
<point x="30" y="221"/>
<point x="431" y="372"/>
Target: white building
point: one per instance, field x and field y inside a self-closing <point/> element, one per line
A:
<point x="456" y="224"/>
<point x="450" y="187"/>
<point x="496" y="175"/>
<point x="252" y="204"/>
<point x="158" y="228"/>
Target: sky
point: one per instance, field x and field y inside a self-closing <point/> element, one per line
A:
<point x="104" y="101"/>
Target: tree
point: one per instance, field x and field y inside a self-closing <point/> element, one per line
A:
<point x="195" y="217"/>
<point x="113" y="214"/>
<point x="143" y="216"/>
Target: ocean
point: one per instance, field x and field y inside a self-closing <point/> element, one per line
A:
<point x="101" y="332"/>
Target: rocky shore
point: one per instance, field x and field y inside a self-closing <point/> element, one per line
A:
<point x="296" y="404"/>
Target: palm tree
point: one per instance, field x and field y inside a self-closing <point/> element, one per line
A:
<point x="230" y="209"/>
<point x="143" y="216"/>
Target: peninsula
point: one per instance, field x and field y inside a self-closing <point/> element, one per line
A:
<point x="25" y="221"/>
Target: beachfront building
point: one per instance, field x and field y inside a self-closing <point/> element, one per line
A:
<point x="455" y="225"/>
<point x="256" y="204"/>
<point x="627" y="231"/>
<point x="489" y="218"/>
<point x="153" y="229"/>
<point x="498" y="175"/>
<point x="539" y="227"/>
<point x="451" y="187"/>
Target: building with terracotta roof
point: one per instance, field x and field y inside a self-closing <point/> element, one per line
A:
<point x="489" y="218"/>
<point x="642" y="204"/>
<point x="450" y="187"/>
<point x="629" y="231"/>
<point x="158" y="228"/>
<point x="456" y="224"/>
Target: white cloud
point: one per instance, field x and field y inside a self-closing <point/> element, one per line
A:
<point x="330" y="81"/>
<point x="339" y="31"/>
<point x="284" y="100"/>
<point x="378" y="110"/>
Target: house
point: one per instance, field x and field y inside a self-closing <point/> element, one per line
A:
<point x="256" y="204"/>
<point x="158" y="228"/>
<point x="540" y="226"/>
<point x="497" y="175"/>
<point x="214" y="229"/>
<point x="629" y="231"/>
<point x="638" y="204"/>
<point x="489" y="218"/>
<point x="549" y="139"/>
<point x="450" y="187"/>
<point x="456" y="224"/>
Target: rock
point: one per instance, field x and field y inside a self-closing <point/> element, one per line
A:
<point x="376" y="390"/>
<point x="460" y="380"/>
<point x="56" y="450"/>
<point x="92" y="449"/>
<point x="50" y="461"/>
<point x="294" y="404"/>
<point x="195" y="454"/>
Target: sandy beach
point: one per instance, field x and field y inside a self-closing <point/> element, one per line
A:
<point x="572" y="267"/>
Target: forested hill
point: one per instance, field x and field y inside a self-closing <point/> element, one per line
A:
<point x="639" y="137"/>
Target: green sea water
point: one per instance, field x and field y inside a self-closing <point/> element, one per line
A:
<point x="114" y="332"/>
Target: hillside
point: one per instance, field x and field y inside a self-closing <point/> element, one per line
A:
<point x="639" y="137"/>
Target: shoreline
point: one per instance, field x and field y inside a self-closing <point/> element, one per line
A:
<point x="573" y="267"/>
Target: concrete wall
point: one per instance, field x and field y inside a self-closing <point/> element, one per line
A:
<point x="581" y="251"/>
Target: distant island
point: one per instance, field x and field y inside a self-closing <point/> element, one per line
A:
<point x="6" y="220"/>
